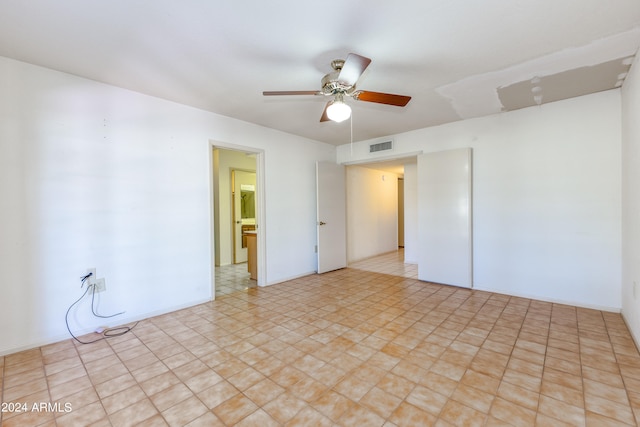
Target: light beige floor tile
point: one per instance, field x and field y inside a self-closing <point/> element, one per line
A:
<point x="365" y="345"/>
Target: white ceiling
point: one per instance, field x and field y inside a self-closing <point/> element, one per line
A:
<point x="457" y="58"/>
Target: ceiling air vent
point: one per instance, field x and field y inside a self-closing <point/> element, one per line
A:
<point x="381" y="146"/>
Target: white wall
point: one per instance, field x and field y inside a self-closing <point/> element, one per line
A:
<point x="631" y="200"/>
<point x="372" y="212"/>
<point x="546" y="197"/>
<point x="96" y="176"/>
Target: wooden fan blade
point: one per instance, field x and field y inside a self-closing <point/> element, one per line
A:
<point x="353" y="68"/>
<point x="383" y="98"/>
<point x="291" y="92"/>
<point x="324" y="117"/>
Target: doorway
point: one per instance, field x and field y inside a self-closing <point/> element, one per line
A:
<point x="439" y="185"/>
<point x="380" y="197"/>
<point x="237" y="209"/>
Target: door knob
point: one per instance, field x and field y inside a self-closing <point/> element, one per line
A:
<point x="321" y="223"/>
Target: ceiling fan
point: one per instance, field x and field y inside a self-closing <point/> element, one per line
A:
<point x="341" y="83"/>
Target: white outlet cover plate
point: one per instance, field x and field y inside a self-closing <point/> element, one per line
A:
<point x="92" y="279"/>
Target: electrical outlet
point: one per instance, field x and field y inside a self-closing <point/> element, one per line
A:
<point x="92" y="279"/>
<point x="101" y="285"/>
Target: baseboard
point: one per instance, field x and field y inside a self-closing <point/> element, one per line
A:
<point x="118" y="322"/>
<point x="633" y="336"/>
<point x="552" y="300"/>
<point x="297" y="276"/>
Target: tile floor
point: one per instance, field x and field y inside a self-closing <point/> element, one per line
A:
<point x="232" y="278"/>
<point x="346" y="348"/>
<point x="390" y="263"/>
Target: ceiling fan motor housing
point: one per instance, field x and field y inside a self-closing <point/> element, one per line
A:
<point x="331" y="85"/>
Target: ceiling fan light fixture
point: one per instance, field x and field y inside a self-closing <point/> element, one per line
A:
<point x="341" y="83"/>
<point x="338" y="111"/>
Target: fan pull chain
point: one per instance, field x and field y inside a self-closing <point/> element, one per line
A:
<point x="351" y="126"/>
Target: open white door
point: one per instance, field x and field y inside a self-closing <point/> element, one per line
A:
<point x="444" y="212"/>
<point x="331" y="216"/>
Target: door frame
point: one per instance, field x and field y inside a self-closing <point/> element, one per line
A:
<point x="260" y="206"/>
